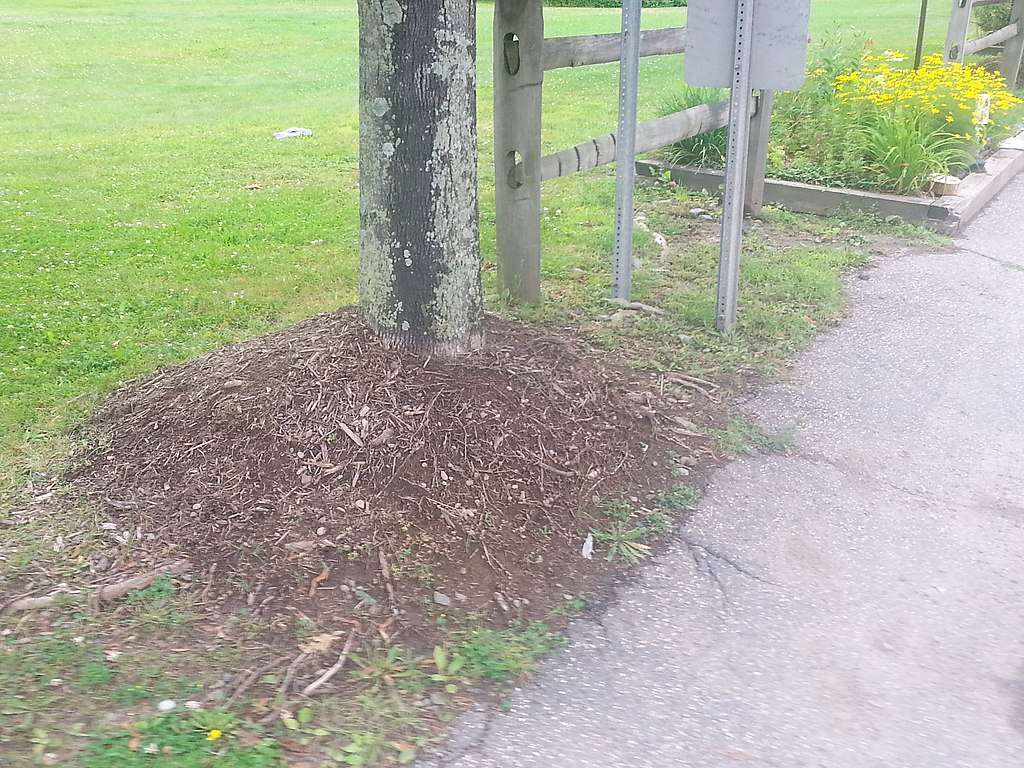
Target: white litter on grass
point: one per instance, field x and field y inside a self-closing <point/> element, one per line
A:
<point x="166" y="705"/>
<point x="292" y="133"/>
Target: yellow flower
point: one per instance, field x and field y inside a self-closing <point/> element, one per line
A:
<point x="934" y="88"/>
<point x="213" y="735"/>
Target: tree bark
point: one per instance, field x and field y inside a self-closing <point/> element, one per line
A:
<point x="419" y="215"/>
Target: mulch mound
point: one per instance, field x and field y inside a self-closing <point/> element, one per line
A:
<point x="314" y="459"/>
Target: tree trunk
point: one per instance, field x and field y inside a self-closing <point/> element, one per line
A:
<point x="419" y="218"/>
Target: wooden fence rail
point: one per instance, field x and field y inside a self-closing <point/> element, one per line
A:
<point x="561" y="52"/>
<point x="991" y="39"/>
<point x="652" y="135"/>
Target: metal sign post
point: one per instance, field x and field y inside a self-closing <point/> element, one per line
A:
<point x="735" y="170"/>
<point x="625" y="150"/>
<point x="729" y="46"/>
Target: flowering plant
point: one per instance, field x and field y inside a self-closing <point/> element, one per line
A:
<point x="867" y="120"/>
<point x="965" y="100"/>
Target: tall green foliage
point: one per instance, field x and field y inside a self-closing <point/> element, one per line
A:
<point x="905" y="153"/>
<point x="707" y="149"/>
<point x="989" y="18"/>
<point x="811" y="138"/>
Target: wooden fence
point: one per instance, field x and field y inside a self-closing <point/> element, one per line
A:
<point x="1010" y="37"/>
<point x="521" y="57"/>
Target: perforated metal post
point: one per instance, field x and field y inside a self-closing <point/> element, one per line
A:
<point x="735" y="170"/>
<point x="625" y="150"/>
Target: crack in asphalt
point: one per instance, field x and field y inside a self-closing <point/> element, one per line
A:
<point x="704" y="558"/>
<point x="1000" y="262"/>
<point x="881" y="482"/>
<point x="703" y="564"/>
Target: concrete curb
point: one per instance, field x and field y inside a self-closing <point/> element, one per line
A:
<point x="948" y="214"/>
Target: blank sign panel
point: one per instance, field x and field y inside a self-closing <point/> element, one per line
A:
<point x="779" y="56"/>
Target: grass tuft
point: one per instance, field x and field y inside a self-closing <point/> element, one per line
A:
<point x="682" y="498"/>
<point x="500" y="655"/>
<point x="202" y="740"/>
<point x="741" y="436"/>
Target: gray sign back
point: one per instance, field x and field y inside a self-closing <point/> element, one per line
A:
<point x="779" y="56"/>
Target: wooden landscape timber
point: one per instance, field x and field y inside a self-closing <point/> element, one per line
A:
<point x="948" y="214"/>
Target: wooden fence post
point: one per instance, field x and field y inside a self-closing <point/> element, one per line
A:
<point x="1013" y="52"/>
<point x="959" y="25"/>
<point x="518" y="89"/>
<point x="757" y="153"/>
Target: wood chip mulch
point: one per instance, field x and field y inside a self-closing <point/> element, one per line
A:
<point x="314" y="453"/>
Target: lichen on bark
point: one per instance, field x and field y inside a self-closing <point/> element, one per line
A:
<point x="419" y="219"/>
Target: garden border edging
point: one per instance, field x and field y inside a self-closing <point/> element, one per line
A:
<point x="948" y="214"/>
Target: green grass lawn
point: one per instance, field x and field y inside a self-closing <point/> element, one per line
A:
<point x="147" y="215"/>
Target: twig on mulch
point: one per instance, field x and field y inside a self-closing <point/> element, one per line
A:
<point x="251" y="678"/>
<point x="263" y="604"/>
<point x="382" y="630"/>
<point x="385" y="569"/>
<point x="116" y="591"/>
<point x="685" y="381"/>
<point x="351" y="435"/>
<point x="637" y="306"/>
<point x="694" y="379"/>
<point x="317" y="580"/>
<point x="330" y="673"/>
<point x="555" y="471"/>
<point x="496" y="566"/>
<point x="280" y="700"/>
<point x="209" y="583"/>
<point x="307" y="545"/>
<point x="686" y="427"/>
<point x="25" y="602"/>
<point x="289" y="675"/>
<point x="103" y="595"/>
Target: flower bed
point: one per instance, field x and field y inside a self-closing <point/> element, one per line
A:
<point x="868" y="121"/>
